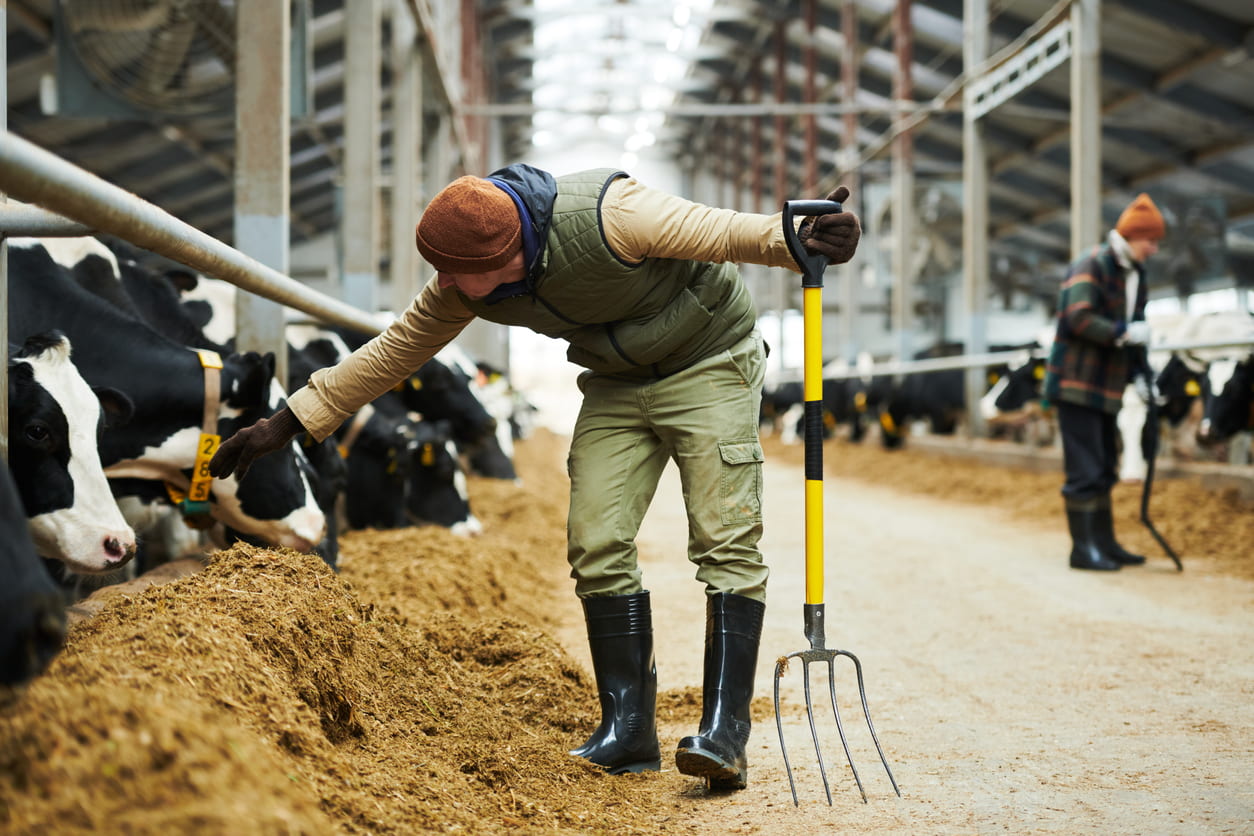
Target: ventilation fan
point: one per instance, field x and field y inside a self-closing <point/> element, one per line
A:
<point x="164" y="57"/>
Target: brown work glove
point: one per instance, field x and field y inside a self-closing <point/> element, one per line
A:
<point x="836" y="235"/>
<point x="239" y="451"/>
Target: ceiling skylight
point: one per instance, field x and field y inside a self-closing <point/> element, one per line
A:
<point x="610" y="70"/>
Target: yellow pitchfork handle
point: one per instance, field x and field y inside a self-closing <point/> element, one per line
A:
<point x="812" y="266"/>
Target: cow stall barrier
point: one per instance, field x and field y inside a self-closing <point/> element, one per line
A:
<point x="64" y="200"/>
<point x="48" y="182"/>
<point x="894" y="368"/>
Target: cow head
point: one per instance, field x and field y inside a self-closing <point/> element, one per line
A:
<point x="1021" y="385"/>
<point x="442" y="392"/>
<point x="437" y="486"/>
<point x="55" y="420"/>
<point x="380" y="461"/>
<point x="276" y="502"/>
<point x="1181" y="382"/>
<point x="1228" y="405"/>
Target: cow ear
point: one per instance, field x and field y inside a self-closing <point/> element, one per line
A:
<point x="182" y="280"/>
<point x="118" y="408"/>
<point x="269" y="364"/>
<point x="252" y="387"/>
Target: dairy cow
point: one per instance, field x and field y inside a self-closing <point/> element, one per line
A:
<point x="166" y="383"/>
<point x="32" y="611"/>
<point x="54" y="422"/>
<point x="156" y="297"/>
<point x="401" y="467"/>
<point x="1228" y="400"/>
<point x="937" y="396"/>
<point x="493" y="454"/>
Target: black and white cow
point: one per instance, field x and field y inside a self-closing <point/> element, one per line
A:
<point x="32" y="611"/>
<point x="844" y="402"/>
<point x="937" y="396"/>
<point x="493" y="454"/>
<point x="401" y="467"/>
<point x="55" y="420"/>
<point x="1228" y="399"/>
<point x="437" y="492"/>
<point x="165" y="381"/>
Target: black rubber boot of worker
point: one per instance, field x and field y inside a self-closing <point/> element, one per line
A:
<point x="733" y="630"/>
<point x="1106" y="537"/>
<point x="620" y="634"/>
<point x="1086" y="551"/>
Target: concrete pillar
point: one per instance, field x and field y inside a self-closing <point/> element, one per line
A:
<point x="262" y="179"/>
<point x="361" y="154"/>
<point x="851" y="273"/>
<point x="1086" y="125"/>
<point x="903" y="185"/>
<point x="975" y="218"/>
<point x="407" y="191"/>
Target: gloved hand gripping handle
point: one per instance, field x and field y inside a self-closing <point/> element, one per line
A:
<point x="811" y="264"/>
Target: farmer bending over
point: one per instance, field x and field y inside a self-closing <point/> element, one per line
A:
<point x="644" y="287"/>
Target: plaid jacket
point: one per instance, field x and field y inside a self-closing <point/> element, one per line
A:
<point x="1085" y="366"/>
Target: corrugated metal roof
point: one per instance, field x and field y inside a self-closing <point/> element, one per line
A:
<point x="1177" y="91"/>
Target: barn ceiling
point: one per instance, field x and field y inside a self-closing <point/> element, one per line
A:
<point x="1177" y="94"/>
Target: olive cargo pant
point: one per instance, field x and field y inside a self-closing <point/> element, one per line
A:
<point x="705" y="418"/>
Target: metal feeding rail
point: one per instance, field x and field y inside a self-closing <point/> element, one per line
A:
<point x="38" y="177"/>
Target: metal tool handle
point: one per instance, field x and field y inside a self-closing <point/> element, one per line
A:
<point x="812" y="264"/>
<point x="812" y="267"/>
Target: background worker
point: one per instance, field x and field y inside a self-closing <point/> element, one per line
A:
<point x="644" y="287"/>
<point x="1099" y="345"/>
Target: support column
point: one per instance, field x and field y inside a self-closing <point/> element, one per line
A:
<point x="781" y="164"/>
<point x="406" y="157"/>
<point x="1086" y="126"/>
<point x="903" y="185"/>
<point x="262" y="172"/>
<point x="361" y="154"/>
<point x="975" y="198"/>
<point x="811" y="97"/>
<point x="851" y="273"/>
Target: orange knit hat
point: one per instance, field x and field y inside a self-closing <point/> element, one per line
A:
<point x="471" y="226"/>
<point x="1141" y="220"/>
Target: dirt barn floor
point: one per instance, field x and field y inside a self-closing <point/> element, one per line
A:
<point x="436" y="683"/>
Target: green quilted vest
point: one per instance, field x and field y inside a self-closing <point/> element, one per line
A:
<point x="641" y="321"/>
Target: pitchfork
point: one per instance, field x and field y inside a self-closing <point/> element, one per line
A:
<point x="812" y="266"/>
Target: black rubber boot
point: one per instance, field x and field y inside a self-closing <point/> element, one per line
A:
<point x="1086" y="553"/>
<point x="733" y="629"/>
<point x="620" y="633"/>
<point x="1106" y="536"/>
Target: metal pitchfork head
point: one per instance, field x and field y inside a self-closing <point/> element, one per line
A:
<point x="819" y="653"/>
<point x="812" y="266"/>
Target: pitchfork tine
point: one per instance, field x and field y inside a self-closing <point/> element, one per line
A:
<point x="812" y="265"/>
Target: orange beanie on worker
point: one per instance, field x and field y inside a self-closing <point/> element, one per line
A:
<point x="1141" y="220"/>
<point x="471" y="226"/>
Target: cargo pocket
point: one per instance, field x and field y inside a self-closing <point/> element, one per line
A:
<point x="740" y="490"/>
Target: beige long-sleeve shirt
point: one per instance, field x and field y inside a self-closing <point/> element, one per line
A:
<point x="639" y="222"/>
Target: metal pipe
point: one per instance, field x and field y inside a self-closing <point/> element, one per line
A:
<point x="17" y="220"/>
<point x="969" y="361"/>
<point x="34" y="175"/>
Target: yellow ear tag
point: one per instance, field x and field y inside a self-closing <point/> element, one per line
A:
<point x="428" y="455"/>
<point x="202" y="480"/>
<point x="859" y="401"/>
<point x="887" y="422"/>
<point x="993" y="377"/>
<point x="343" y="448"/>
<point x="1192" y="389"/>
<point x="414" y="383"/>
<point x="1039" y="373"/>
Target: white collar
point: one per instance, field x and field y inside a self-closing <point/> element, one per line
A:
<point x="1123" y="252"/>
